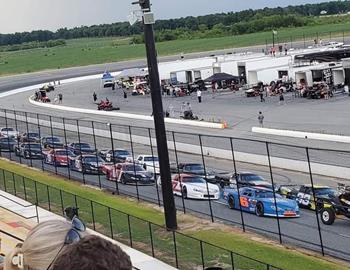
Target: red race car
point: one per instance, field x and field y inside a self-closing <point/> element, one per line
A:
<point x="58" y="157"/>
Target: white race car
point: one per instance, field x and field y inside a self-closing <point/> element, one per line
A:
<point x="149" y="163"/>
<point x="193" y="187"/>
<point x="9" y="132"/>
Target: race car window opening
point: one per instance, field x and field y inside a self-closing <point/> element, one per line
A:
<point x="193" y="180"/>
<point x="196" y="167"/>
<point x="121" y="153"/>
<point x="93" y="159"/>
<point x="131" y="168"/>
<point x="151" y="159"/>
<point x="7" y="129"/>
<point x="251" y="177"/>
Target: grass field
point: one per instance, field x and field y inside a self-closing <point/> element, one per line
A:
<point x="188" y="249"/>
<point x="81" y="52"/>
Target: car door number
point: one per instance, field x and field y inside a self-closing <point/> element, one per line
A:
<point x="303" y="198"/>
<point x="244" y="201"/>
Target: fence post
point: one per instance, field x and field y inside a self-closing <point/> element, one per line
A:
<point x="37" y="213"/>
<point x="41" y="147"/>
<point x="66" y="143"/>
<point x="24" y="188"/>
<point x="14" y="184"/>
<point x="62" y="206"/>
<point x="20" y="158"/>
<point x="206" y="181"/>
<point x="236" y="174"/>
<point x="178" y="171"/>
<point x="202" y="253"/>
<point x="113" y="154"/>
<point x="36" y="193"/>
<point x="274" y="192"/>
<point x="314" y="198"/>
<point x="151" y="237"/>
<point x="93" y="215"/>
<point x="53" y="144"/>
<point x="175" y="249"/>
<point x="110" y="222"/>
<point x="4" y="177"/>
<point x="154" y="165"/>
<point x="304" y="41"/>
<point x="232" y="261"/>
<point x="129" y="226"/>
<point x="27" y="127"/>
<point x="343" y="36"/>
<point x="48" y="197"/>
<point x="133" y="162"/>
<point x="79" y="141"/>
<point x="95" y="146"/>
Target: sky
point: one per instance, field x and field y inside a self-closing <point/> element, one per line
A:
<point x="28" y="15"/>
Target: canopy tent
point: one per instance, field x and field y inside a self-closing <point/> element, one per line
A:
<point x="107" y="76"/>
<point x="218" y="77"/>
<point x="131" y="73"/>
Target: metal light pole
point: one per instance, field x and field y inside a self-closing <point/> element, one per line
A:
<point x="158" y="114"/>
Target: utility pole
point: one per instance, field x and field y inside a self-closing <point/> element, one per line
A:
<point x="158" y="114"/>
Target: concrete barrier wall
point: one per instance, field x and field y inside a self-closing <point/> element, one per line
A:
<point x="302" y="134"/>
<point x="276" y="162"/>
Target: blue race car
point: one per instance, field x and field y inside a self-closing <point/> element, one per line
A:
<point x="260" y="200"/>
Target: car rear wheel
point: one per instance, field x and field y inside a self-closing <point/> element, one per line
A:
<point x="26" y="154"/>
<point x="123" y="180"/>
<point x="184" y="192"/>
<point x="259" y="209"/>
<point x="327" y="216"/>
<point x="231" y="202"/>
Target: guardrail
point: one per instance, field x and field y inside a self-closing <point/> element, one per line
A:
<point x="279" y="164"/>
<point x="175" y="248"/>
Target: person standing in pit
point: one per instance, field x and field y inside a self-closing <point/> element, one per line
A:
<point x="261" y="119"/>
<point x="199" y="95"/>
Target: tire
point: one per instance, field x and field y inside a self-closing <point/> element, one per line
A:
<point x="184" y="192"/>
<point x="123" y="180"/>
<point x="26" y="155"/>
<point x="231" y="202"/>
<point x="222" y="184"/>
<point x="327" y="216"/>
<point x="16" y="152"/>
<point x="259" y="209"/>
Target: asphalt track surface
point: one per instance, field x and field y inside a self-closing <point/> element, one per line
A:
<point x="300" y="231"/>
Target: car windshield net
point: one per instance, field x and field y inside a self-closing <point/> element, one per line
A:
<point x="121" y="153"/>
<point x="131" y="168"/>
<point x="53" y="139"/>
<point x="33" y="146"/>
<point x="267" y="194"/>
<point x="82" y="145"/>
<point x="324" y="191"/>
<point x="194" y="167"/>
<point x="193" y="180"/>
<point x="93" y="159"/>
<point x="151" y="159"/>
<point x="7" y="129"/>
<point x="251" y="177"/>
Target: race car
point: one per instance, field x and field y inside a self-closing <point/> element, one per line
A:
<point x="335" y="206"/>
<point x="29" y="137"/>
<point x="242" y="179"/>
<point x="193" y="168"/>
<point x="58" y="157"/>
<point x="149" y="163"/>
<point x="193" y="187"/>
<point x="80" y="148"/>
<point x="304" y="194"/>
<point x="120" y="155"/>
<point x="261" y="201"/>
<point x="9" y="132"/>
<point x="129" y="173"/>
<point x="7" y="144"/>
<point x="86" y="164"/>
<point x="29" y="150"/>
<point x="51" y="142"/>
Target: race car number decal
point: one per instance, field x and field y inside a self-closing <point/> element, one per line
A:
<point x="244" y="201"/>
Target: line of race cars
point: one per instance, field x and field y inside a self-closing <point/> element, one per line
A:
<point x="244" y="191"/>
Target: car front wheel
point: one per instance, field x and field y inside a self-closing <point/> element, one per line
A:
<point x="327" y="216"/>
<point x="231" y="202"/>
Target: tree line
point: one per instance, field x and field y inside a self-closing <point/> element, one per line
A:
<point x="246" y="21"/>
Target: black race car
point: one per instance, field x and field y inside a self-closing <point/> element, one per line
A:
<point x="86" y="164"/>
<point x="7" y="144"/>
<point x="195" y="169"/>
<point x="119" y="156"/>
<point x="241" y="179"/>
<point x="336" y="205"/>
<point x="51" y="142"/>
<point x="29" y="150"/>
<point x="80" y="148"/>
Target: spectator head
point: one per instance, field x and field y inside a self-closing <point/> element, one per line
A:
<point x="41" y="246"/>
<point x="90" y="253"/>
<point x="260" y="112"/>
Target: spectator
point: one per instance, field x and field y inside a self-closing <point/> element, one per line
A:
<point x="261" y="119"/>
<point x="199" y="95"/>
<point x="43" y="244"/>
<point x="90" y="253"/>
<point x="94" y="96"/>
<point x="281" y="99"/>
